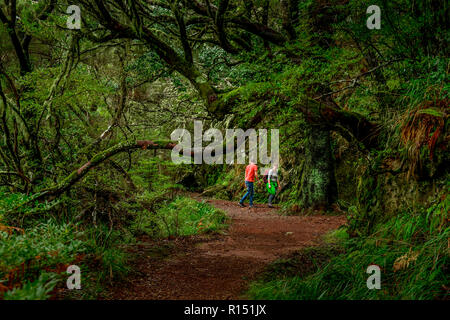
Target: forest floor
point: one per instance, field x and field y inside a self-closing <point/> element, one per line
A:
<point x="220" y="266"/>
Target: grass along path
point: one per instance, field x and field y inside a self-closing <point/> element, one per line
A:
<point x="220" y="266"/>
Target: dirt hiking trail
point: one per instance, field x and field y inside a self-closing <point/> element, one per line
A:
<point x="220" y="266"/>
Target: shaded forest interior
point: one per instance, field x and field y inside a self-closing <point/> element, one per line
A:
<point x="87" y="114"/>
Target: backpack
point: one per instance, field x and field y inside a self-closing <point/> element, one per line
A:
<point x="265" y="176"/>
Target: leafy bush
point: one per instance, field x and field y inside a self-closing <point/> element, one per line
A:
<point x="183" y="217"/>
<point x="36" y="290"/>
<point x="48" y="246"/>
<point x="43" y="246"/>
<point x="20" y="203"/>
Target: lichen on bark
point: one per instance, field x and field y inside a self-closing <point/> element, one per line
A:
<point x="318" y="188"/>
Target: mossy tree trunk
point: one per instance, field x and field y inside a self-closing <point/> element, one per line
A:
<point x="318" y="186"/>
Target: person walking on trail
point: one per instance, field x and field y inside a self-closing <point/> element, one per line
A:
<point x="272" y="184"/>
<point x="250" y="176"/>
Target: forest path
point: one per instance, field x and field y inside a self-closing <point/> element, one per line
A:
<point x="220" y="266"/>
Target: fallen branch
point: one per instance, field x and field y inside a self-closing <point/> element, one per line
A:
<point x="76" y="175"/>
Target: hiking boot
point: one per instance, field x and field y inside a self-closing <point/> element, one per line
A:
<point x="271" y="206"/>
<point x="241" y="205"/>
<point x="251" y="207"/>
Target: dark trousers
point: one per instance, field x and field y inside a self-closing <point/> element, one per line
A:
<point x="271" y="197"/>
<point x="250" y="192"/>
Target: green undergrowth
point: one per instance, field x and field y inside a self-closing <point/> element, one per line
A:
<point x="34" y="259"/>
<point x="411" y="250"/>
<point x="31" y="259"/>
<point x="38" y="289"/>
<point x="182" y="217"/>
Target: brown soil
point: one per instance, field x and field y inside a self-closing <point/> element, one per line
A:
<point x="220" y="266"/>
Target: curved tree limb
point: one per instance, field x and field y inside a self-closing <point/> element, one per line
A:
<point x="78" y="174"/>
<point x="337" y="119"/>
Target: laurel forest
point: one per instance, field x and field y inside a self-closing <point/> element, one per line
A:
<point x="96" y="96"/>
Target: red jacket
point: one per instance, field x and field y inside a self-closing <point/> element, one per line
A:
<point x="250" y="172"/>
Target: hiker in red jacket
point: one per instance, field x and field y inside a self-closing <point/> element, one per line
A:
<point x="250" y="177"/>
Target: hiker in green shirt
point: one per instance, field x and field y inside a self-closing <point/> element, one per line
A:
<point x="272" y="183"/>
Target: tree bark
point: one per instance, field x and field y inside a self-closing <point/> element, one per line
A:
<point x="318" y="185"/>
<point x="10" y="24"/>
